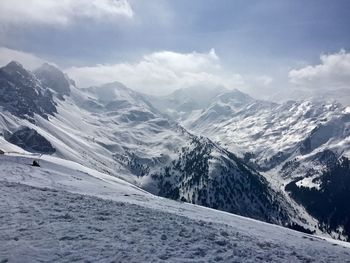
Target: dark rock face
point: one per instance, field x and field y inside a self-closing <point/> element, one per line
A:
<point x="30" y="140"/>
<point x="22" y="95"/>
<point x="52" y="77"/>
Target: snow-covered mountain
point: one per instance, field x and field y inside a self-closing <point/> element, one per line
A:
<point x="240" y="156"/>
<point x="269" y="130"/>
<point x="64" y="212"/>
<point x="117" y="131"/>
<point x="296" y="145"/>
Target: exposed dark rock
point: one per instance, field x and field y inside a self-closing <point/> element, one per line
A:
<point x="30" y="140"/>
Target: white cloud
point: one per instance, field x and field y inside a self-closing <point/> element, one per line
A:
<point x="61" y="12"/>
<point x="156" y="73"/>
<point x="28" y="60"/>
<point x="333" y="72"/>
<point x="161" y="73"/>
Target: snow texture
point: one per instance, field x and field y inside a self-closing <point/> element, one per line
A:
<point x="64" y="212"/>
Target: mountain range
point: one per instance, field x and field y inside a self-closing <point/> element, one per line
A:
<point x="285" y="163"/>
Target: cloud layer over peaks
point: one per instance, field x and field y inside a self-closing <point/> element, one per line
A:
<point x="161" y="72"/>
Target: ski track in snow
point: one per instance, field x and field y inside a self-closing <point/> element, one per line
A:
<point x="42" y="222"/>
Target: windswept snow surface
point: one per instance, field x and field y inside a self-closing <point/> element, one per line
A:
<point x="65" y="212"/>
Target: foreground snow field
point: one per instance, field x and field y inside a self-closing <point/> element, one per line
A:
<point x="65" y="212"/>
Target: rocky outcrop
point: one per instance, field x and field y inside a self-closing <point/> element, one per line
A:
<point x="30" y="140"/>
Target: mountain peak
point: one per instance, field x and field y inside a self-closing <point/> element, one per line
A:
<point x="22" y="93"/>
<point x="235" y="96"/>
<point x="14" y="68"/>
<point x="115" y="85"/>
<point x="54" y="78"/>
<point x="113" y="91"/>
<point x="14" y="64"/>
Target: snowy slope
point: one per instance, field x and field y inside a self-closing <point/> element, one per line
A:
<point x="64" y="212"/>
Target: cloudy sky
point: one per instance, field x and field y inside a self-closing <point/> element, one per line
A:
<point x="156" y="46"/>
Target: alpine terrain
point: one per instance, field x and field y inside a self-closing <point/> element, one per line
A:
<point x="109" y="159"/>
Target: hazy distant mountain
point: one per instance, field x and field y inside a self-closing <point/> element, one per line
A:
<point x="336" y="95"/>
<point x="183" y="101"/>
